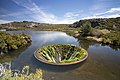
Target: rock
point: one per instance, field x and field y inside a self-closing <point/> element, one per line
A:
<point x="1" y="53"/>
<point x="75" y="25"/>
<point x="77" y="35"/>
<point x="105" y="31"/>
<point x="76" y="32"/>
<point x="98" y="32"/>
<point x="94" y="23"/>
<point x="95" y="39"/>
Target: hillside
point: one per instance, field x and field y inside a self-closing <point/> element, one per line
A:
<point x="29" y="24"/>
<point x="24" y="24"/>
<point x="101" y="23"/>
<point x="104" y="30"/>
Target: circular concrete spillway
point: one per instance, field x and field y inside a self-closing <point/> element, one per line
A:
<point x="61" y="54"/>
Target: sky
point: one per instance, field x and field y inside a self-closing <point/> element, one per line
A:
<point x="57" y="11"/>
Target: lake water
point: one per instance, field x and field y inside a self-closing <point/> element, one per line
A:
<point x="103" y="62"/>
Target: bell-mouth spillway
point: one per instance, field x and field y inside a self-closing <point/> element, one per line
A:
<point x="61" y="54"/>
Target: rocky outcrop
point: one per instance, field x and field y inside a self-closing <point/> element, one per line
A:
<point x="94" y="38"/>
<point x="98" y="32"/>
<point x="93" y="22"/>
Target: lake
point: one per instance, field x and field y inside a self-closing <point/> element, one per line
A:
<point x="103" y="62"/>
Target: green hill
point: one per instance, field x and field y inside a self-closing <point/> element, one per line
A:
<point x="101" y="23"/>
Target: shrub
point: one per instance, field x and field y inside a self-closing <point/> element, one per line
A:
<point x="13" y="41"/>
<point x="112" y="38"/>
<point x="8" y="74"/>
<point x="86" y="28"/>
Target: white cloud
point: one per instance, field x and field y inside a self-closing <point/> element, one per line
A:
<point x="112" y="13"/>
<point x="71" y="14"/>
<point x="112" y="10"/>
<point x="41" y="16"/>
<point x="13" y="14"/>
<point x="98" y="6"/>
<point x="4" y="21"/>
<point x="65" y="21"/>
<point x="109" y="16"/>
<point x="36" y="13"/>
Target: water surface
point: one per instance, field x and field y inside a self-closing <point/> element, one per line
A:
<point x="103" y="62"/>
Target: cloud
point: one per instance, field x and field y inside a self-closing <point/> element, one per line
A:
<point x="109" y="16"/>
<point x="65" y="21"/>
<point x="71" y="14"/>
<point x="13" y="14"/>
<point x="4" y="21"/>
<point x="40" y="15"/>
<point x="111" y="13"/>
<point x="36" y="13"/>
<point x="98" y="6"/>
<point x="112" y="10"/>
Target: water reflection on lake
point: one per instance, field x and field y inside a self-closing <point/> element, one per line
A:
<point x="103" y="62"/>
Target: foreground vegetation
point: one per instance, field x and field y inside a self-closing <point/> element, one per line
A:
<point x="13" y="41"/>
<point x="60" y="53"/>
<point x="8" y="74"/>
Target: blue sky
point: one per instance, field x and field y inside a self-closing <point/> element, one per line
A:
<point x="57" y="11"/>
